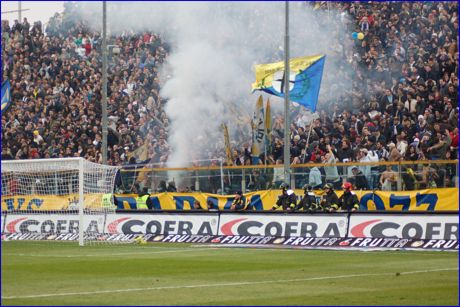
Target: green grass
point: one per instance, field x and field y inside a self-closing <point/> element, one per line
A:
<point x="180" y="274"/>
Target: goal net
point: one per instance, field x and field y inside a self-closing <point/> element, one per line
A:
<point x="57" y="199"/>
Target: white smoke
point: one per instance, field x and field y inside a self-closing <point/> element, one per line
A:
<point x="214" y="48"/>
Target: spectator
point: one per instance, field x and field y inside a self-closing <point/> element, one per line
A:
<point x="403" y="79"/>
<point x="332" y="174"/>
<point x="171" y="187"/>
<point x="359" y="180"/>
<point x="314" y="177"/>
<point x="388" y="179"/>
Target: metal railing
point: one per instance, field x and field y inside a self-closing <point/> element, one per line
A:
<point x="219" y="179"/>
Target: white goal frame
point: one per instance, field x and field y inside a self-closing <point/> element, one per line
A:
<point x="107" y="172"/>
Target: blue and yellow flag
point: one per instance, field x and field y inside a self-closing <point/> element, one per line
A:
<point x="6" y="95"/>
<point x="304" y="80"/>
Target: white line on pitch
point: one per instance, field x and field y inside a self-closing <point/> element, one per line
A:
<point x="112" y="254"/>
<point x="243" y="283"/>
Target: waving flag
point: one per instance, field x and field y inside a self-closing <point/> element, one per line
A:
<point x="268" y="124"/>
<point x="258" y="131"/>
<point x="228" y="148"/>
<point x="304" y="79"/>
<point x="6" y="95"/>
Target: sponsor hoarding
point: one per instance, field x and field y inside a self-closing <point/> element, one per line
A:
<point x="289" y="230"/>
<point x="311" y="242"/>
<point x="443" y="227"/>
<point x="317" y="225"/>
<point x="51" y="223"/>
<point x="204" y="224"/>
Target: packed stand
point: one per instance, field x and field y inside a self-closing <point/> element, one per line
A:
<point x="403" y="105"/>
<point x="56" y="83"/>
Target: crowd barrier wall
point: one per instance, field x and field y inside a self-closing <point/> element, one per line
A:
<point x="444" y="199"/>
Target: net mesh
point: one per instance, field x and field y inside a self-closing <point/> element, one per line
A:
<point x="51" y="198"/>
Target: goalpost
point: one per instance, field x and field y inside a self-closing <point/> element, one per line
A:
<point x="64" y="198"/>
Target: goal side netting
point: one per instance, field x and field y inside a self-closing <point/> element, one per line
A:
<point x="57" y="199"/>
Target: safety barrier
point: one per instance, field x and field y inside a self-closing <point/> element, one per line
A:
<point x="211" y="177"/>
<point x="422" y="200"/>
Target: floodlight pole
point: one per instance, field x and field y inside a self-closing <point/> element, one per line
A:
<point x="104" y="83"/>
<point x="287" y="140"/>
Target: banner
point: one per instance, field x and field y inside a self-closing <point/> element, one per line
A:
<point x="429" y="227"/>
<point x="49" y="202"/>
<point x="443" y="199"/>
<point x="422" y="200"/>
<point x="141" y="154"/>
<point x="304" y="79"/>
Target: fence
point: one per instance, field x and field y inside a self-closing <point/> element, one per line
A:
<point x="218" y="179"/>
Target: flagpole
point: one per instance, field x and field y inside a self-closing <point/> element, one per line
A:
<point x="308" y="140"/>
<point x="104" y="84"/>
<point x="287" y="143"/>
<point x="265" y="151"/>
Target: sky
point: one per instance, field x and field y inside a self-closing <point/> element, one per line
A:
<point x="38" y="10"/>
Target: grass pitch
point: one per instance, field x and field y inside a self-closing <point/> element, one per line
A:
<point x="61" y="273"/>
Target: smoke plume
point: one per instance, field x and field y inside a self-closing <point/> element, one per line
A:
<point x="207" y="79"/>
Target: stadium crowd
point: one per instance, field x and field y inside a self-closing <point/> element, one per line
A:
<point x="56" y="83"/>
<point x="403" y="104"/>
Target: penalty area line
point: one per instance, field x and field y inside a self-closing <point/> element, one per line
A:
<point x="243" y="283"/>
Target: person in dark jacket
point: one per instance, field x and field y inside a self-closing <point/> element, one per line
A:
<point x="239" y="203"/>
<point x="287" y="199"/>
<point x="329" y="201"/>
<point x="348" y="201"/>
<point x="359" y="179"/>
<point x="308" y="202"/>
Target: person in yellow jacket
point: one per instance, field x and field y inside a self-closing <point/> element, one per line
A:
<point x="108" y="201"/>
<point x="143" y="201"/>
